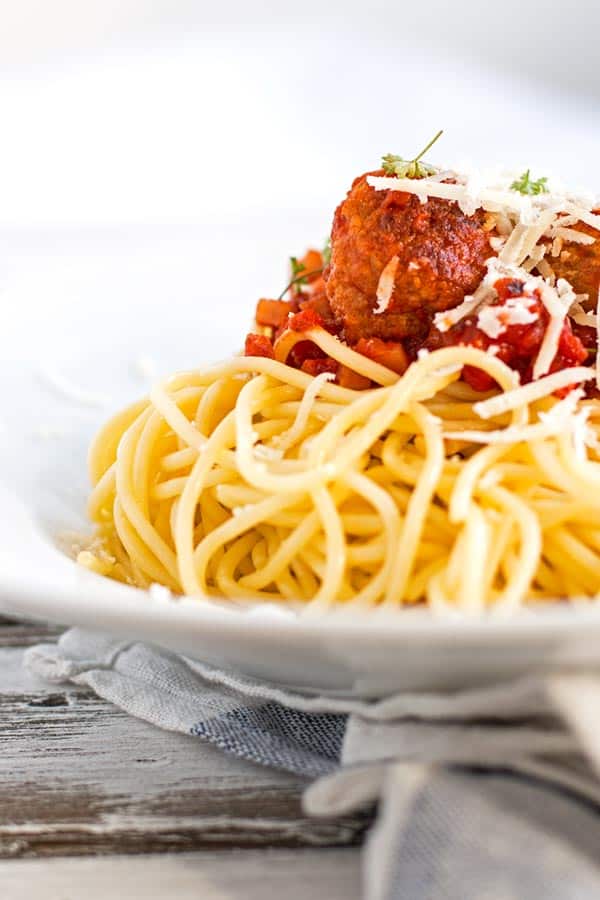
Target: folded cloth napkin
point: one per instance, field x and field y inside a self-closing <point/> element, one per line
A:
<point x="487" y="794"/>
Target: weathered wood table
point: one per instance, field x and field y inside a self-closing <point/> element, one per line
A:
<point x="95" y="804"/>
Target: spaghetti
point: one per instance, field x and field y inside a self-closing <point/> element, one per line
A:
<point x="253" y="480"/>
<point x="416" y="418"/>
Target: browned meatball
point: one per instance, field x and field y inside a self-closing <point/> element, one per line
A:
<point x="580" y="264"/>
<point x="441" y="254"/>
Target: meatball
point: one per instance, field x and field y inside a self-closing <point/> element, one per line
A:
<point x="580" y="264"/>
<point x="441" y="257"/>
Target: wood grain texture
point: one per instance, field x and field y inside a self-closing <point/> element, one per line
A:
<point x="248" y="875"/>
<point x="78" y="776"/>
<point x="23" y="634"/>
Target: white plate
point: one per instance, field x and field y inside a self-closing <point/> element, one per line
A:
<point x="85" y="308"/>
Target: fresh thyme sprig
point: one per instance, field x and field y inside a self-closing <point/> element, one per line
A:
<point x="296" y="266"/>
<point x="410" y="168"/>
<point x="299" y="274"/>
<point x="524" y="184"/>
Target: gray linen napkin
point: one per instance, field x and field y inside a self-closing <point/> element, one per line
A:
<point x="488" y="794"/>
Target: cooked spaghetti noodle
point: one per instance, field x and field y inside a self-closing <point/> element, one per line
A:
<point x="253" y="480"/>
<point x="416" y="418"/>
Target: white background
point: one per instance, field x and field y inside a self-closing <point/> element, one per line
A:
<point x="160" y="160"/>
<point x="174" y="111"/>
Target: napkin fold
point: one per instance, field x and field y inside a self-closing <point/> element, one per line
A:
<point x="486" y="794"/>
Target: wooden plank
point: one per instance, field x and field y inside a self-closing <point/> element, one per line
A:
<point x="247" y="875"/>
<point x="14" y="633"/>
<point x="79" y="776"/>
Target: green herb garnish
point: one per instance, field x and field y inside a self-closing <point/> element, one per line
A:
<point x="296" y="267"/>
<point x="299" y="274"/>
<point x="299" y="277"/>
<point x="524" y="184"/>
<point x="410" y="168"/>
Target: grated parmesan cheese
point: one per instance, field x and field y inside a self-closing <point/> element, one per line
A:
<point x="529" y="393"/>
<point x="497" y="243"/>
<point x="564" y="221"/>
<point x="566" y="294"/>
<point x="525" y="237"/>
<point x="527" y="228"/>
<point x="535" y="257"/>
<point x="583" y="215"/>
<point x="557" y="302"/>
<point x="560" y="418"/>
<point x="490" y="199"/>
<point x="385" y="287"/>
<point x="534" y="232"/>
<point x="546" y="271"/>
<point x="492" y="192"/>
<point x="494" y="320"/>
<point x="585" y="318"/>
<point x="486" y="292"/>
<point x="504" y="225"/>
<point x="443" y="321"/>
<point x="574" y="236"/>
<point x="583" y="435"/>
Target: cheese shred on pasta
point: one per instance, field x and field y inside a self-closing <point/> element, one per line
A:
<point x="251" y="480"/>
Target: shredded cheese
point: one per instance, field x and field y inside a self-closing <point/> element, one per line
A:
<point x="525" y="237"/>
<point x="574" y="236"/>
<point x="490" y="199"/>
<point x="497" y="243"/>
<point x="535" y="231"/>
<point x="443" y="321"/>
<point x="583" y="215"/>
<point x="554" y="422"/>
<point x="385" y="287"/>
<point x="494" y="320"/>
<point x="504" y="226"/>
<point x="529" y="393"/>
<point x="512" y="249"/>
<point x="493" y="194"/>
<point x="557" y="301"/>
<point x="536" y="255"/>
<point x="546" y="271"/>
<point x="563" y="221"/>
<point x="484" y="294"/>
<point x="527" y="227"/>
<point x="584" y="318"/>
